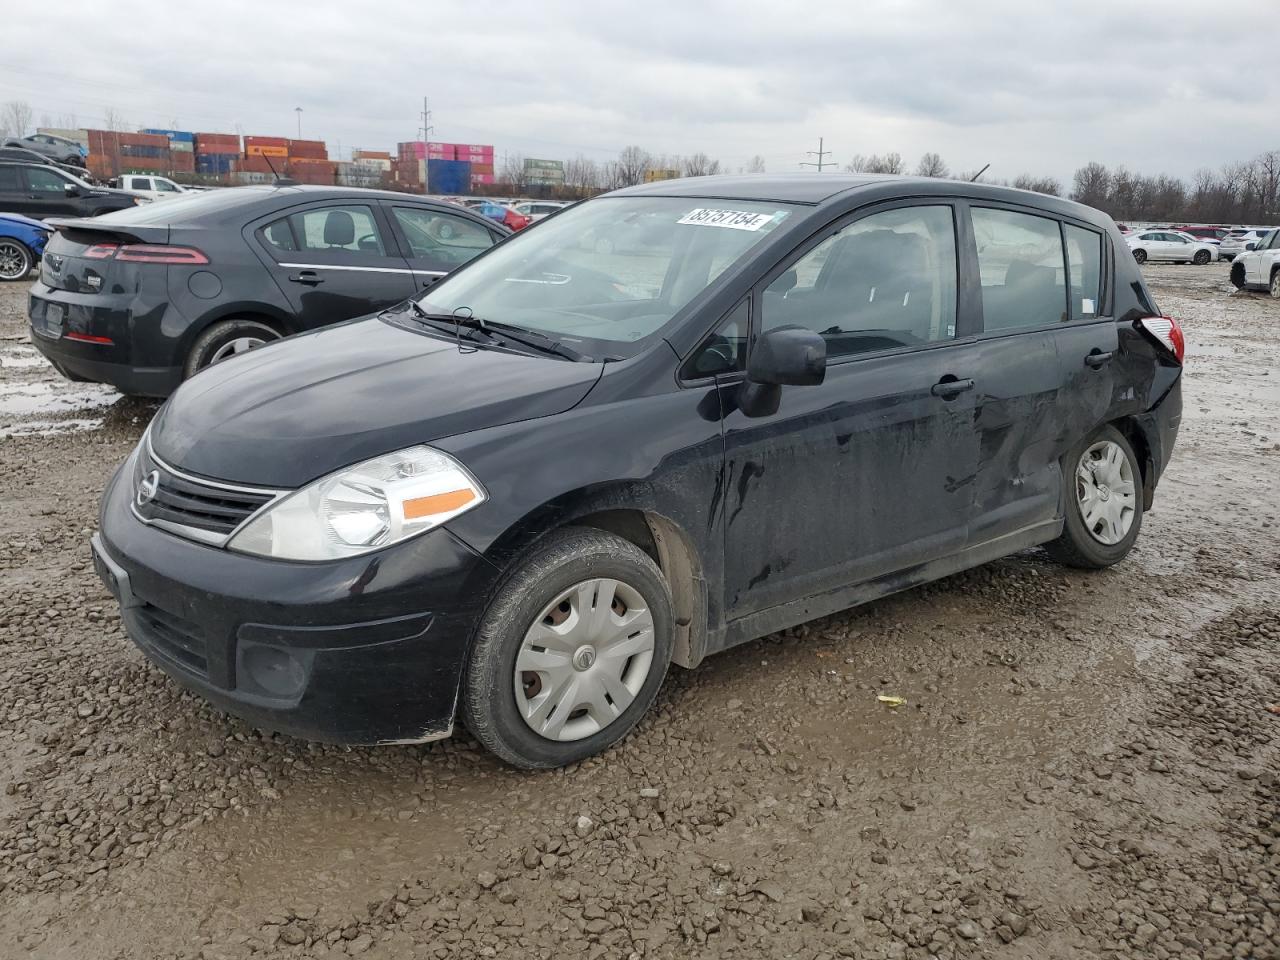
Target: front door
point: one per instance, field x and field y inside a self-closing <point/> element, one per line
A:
<point x="435" y="242"/>
<point x="47" y="194"/>
<point x="871" y="471"/>
<point x="335" y="261"/>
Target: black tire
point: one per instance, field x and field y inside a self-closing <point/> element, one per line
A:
<point x="1275" y="283"/>
<point x="16" y="259"/>
<point x="219" y="335"/>
<point x="1140" y="256"/>
<point x="1237" y="275"/>
<point x="1201" y="258"/>
<point x="1077" y="547"/>
<point x="553" y="565"/>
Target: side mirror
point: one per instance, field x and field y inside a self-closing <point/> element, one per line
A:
<point x="71" y="190"/>
<point x="790" y="356"/>
<point x="1251" y="246"/>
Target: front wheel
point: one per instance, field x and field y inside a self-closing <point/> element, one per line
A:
<point x="15" y="260"/>
<point x="1237" y="276"/>
<point x="1103" y="503"/>
<point x="1275" y="284"/>
<point x="1140" y="256"/>
<point x="1201" y="258"/>
<point x="224" y="340"/>
<point x="571" y="651"/>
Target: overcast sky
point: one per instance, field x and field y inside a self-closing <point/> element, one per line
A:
<point x="1028" y="86"/>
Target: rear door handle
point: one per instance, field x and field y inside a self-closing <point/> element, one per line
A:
<point x="309" y="277"/>
<point x="1097" y="359"/>
<point x="950" y="389"/>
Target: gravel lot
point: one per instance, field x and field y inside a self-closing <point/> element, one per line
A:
<point x="1085" y="765"/>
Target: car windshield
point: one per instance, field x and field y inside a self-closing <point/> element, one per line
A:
<point x="608" y="274"/>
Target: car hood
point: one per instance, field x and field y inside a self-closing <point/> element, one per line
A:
<point x="296" y="410"/>
<point x="19" y="219"/>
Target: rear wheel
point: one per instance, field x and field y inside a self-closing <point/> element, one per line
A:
<point x="1104" y="502"/>
<point x="15" y="260"/>
<point x="1275" y="283"/>
<point x="571" y="651"/>
<point x="227" y="339"/>
<point x="1201" y="258"/>
<point x="1140" y="256"/>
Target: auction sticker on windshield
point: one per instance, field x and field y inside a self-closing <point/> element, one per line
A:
<point x="733" y="219"/>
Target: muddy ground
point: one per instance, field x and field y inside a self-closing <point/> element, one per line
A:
<point x="1084" y="766"/>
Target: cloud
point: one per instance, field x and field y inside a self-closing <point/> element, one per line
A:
<point x="1031" y="87"/>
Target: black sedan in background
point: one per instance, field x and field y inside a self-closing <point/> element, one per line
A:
<point x="144" y="298"/>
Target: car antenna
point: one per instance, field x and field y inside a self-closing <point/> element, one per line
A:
<point x="279" y="180"/>
<point x="974" y="178"/>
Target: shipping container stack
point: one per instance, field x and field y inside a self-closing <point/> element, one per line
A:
<point x="112" y="153"/>
<point x="182" y="145"/>
<point x="309" y="162"/>
<point x="480" y="156"/>
<point x="217" y="154"/>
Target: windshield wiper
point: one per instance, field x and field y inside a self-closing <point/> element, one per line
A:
<point x="500" y="332"/>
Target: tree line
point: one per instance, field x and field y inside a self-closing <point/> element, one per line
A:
<point x="1242" y="192"/>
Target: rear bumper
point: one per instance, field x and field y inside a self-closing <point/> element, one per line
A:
<point x="1160" y="425"/>
<point x="117" y="362"/>
<point x="365" y="650"/>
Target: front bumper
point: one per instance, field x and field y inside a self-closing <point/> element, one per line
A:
<point x="365" y="650"/>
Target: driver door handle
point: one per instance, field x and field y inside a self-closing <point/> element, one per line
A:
<point x="1097" y="359"/>
<point x="309" y="277"/>
<point x="950" y="389"/>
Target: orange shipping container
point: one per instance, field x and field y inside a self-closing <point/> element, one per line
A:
<point x="259" y="150"/>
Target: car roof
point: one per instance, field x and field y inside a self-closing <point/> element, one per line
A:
<point x="818" y="188"/>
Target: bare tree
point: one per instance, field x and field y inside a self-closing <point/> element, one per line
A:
<point x="112" y="119"/>
<point x="755" y="164"/>
<point x="858" y="164"/>
<point x="700" y="165"/>
<point x="1091" y="185"/>
<point x="1025" y="181"/>
<point x="513" y="173"/>
<point x="631" y="165"/>
<point x="932" y="165"/>
<point x="582" y="175"/>
<point x="875" y="163"/>
<point x="15" y="118"/>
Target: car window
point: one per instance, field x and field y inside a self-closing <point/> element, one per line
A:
<point x="140" y="183"/>
<point x="164" y="186"/>
<point x="725" y="350"/>
<point x="334" y="229"/>
<point x="40" y="180"/>
<point x="1084" y="256"/>
<point x="442" y="236"/>
<point x="279" y="235"/>
<point x="1020" y="263"/>
<point x="885" y="281"/>
<point x="9" y="180"/>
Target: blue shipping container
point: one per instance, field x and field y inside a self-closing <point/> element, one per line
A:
<point x="183" y="135"/>
<point x="215" y="163"/>
<point x="448" y="176"/>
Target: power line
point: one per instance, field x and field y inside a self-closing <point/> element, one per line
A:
<point x="820" y="153"/>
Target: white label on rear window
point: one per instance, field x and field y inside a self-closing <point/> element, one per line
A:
<point x="732" y="219"/>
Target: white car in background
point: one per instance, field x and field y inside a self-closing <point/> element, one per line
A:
<point x="1259" y="268"/>
<point x="1237" y="239"/>
<point x="537" y="209"/>
<point x="157" y="188"/>
<point x="1170" y="246"/>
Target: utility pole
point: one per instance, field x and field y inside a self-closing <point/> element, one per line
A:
<point x="821" y="154"/>
<point x="426" y="127"/>
<point x="298" y="111"/>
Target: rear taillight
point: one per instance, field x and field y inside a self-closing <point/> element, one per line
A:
<point x="1166" y="332"/>
<point x="145" y="253"/>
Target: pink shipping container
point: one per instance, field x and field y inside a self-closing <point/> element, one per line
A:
<point x="474" y="148"/>
<point x="482" y="178"/>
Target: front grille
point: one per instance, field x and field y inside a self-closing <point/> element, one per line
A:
<point x="204" y="510"/>
<point x="178" y="639"/>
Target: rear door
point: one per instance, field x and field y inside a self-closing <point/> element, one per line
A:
<point x="13" y="190"/>
<point x="435" y="241"/>
<point x="1039" y="389"/>
<point x="334" y="260"/>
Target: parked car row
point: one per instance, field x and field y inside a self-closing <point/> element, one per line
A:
<point x="665" y="422"/>
<point x="56" y="148"/>
<point x="42" y="190"/>
<point x="1171" y="246"/>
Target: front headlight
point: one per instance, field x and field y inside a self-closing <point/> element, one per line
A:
<point x="364" y="507"/>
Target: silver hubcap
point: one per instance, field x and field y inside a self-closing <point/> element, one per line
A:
<point x="1275" y="285"/>
<point x="584" y="659"/>
<point x="1106" y="492"/>
<point x="234" y="347"/>
<point x="13" y="262"/>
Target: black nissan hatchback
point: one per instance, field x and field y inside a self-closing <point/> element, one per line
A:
<point x="664" y="422"/>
